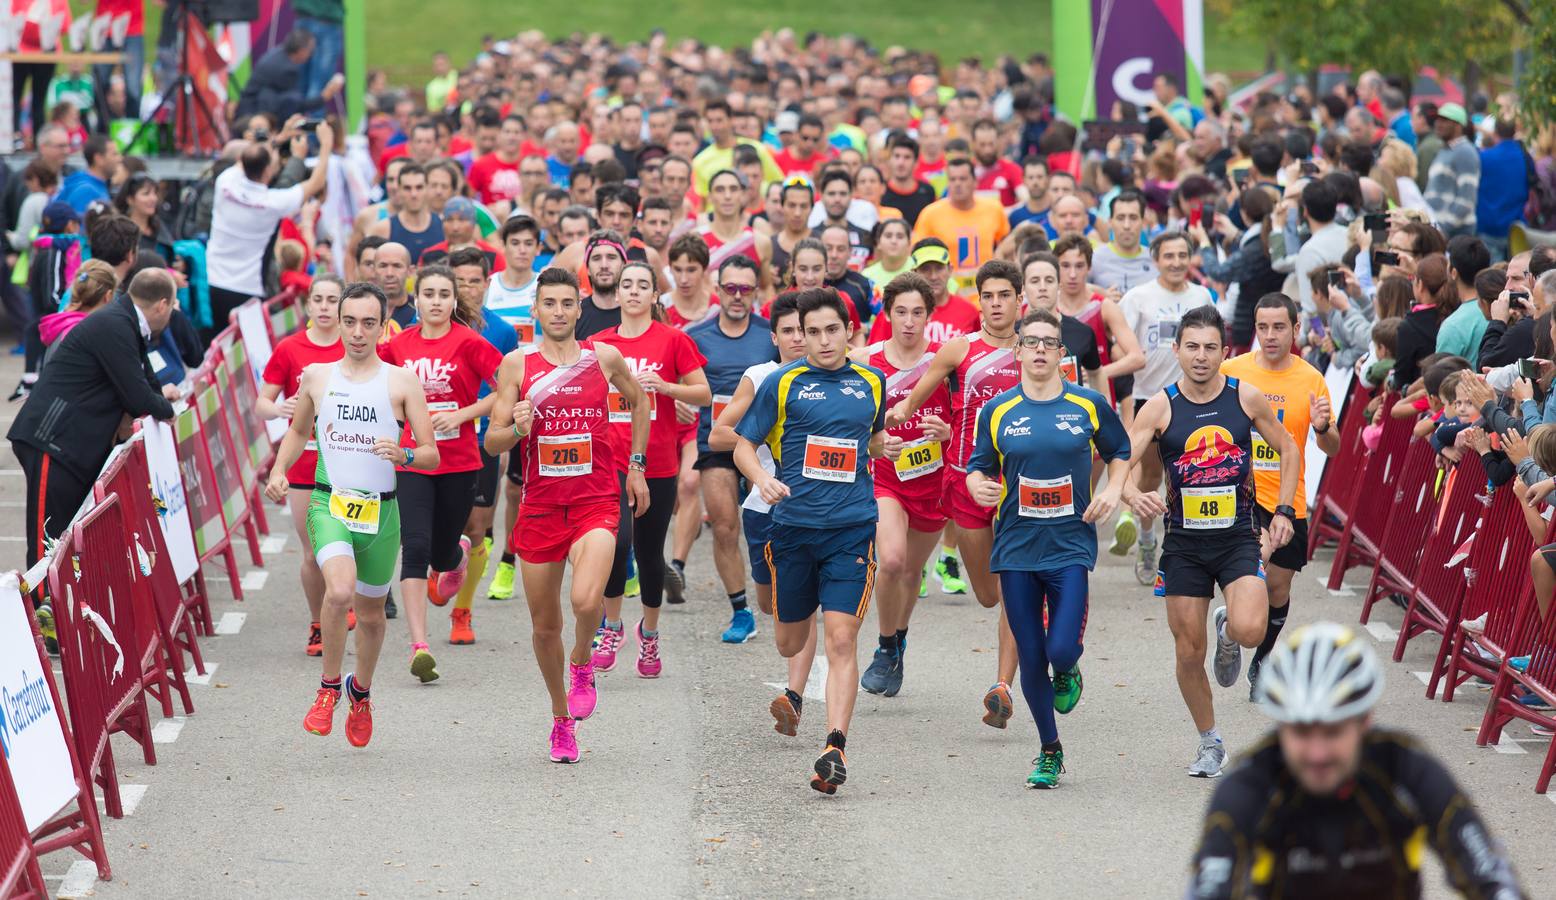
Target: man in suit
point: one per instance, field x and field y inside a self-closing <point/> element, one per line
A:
<point x="98" y="375"/>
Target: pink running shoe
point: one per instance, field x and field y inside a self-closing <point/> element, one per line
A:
<point x="564" y="744"/>
<point x="446" y="585"/>
<point x="649" y="665"/>
<point x="607" y="641"/>
<point x="581" y="697"/>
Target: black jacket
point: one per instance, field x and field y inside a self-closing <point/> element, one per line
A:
<point x="275" y="87"/>
<point x="1503" y="344"/>
<point x="1417" y="339"/>
<point x="98" y="374"/>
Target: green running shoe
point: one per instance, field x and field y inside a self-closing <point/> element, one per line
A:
<point x="949" y="571"/>
<point x="45" y="616"/>
<point x="502" y="583"/>
<point x="487" y="566"/>
<point x="923" y="583"/>
<point x="633" y="589"/>
<point x="1124" y="534"/>
<point x="1050" y="764"/>
<point x="1067" y="690"/>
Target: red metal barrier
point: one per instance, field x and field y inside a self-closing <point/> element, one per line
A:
<point x="1332" y="502"/>
<point x="1496" y="575"/>
<point x="1438" y="589"/>
<point x="160" y="611"/>
<point x="234" y="473"/>
<point x="19" y="872"/>
<point x="234" y="383"/>
<point x="1410" y="517"/>
<point x="212" y="538"/>
<point x="1365" y="518"/>
<point x="1538" y="676"/>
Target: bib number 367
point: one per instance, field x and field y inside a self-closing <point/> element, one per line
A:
<point x="831" y="459"/>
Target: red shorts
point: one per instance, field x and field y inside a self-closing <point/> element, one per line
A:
<point x="924" y="513"/>
<point x="960" y="507"/>
<point x="685" y="433"/>
<point x="545" y="534"/>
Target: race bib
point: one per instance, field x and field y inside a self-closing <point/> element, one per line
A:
<point x="719" y="402"/>
<point x="1070" y="369"/>
<point x="1209" y="507"/>
<point x="621" y="411"/>
<point x="1265" y="457"/>
<point x="919" y="458"/>
<point x="1046" y="498"/>
<point x="565" y="455"/>
<point x="357" y="510"/>
<point x="525" y="329"/>
<point x="831" y="459"/>
<point x="155" y="358"/>
<point x="445" y="406"/>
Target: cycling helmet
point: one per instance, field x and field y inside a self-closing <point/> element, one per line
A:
<point x="1320" y="673"/>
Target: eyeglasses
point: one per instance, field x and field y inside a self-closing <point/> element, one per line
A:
<point x="1032" y="342"/>
<point x="737" y="290"/>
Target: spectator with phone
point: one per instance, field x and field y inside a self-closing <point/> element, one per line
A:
<point x="1478" y="288"/>
<point x="1346" y="314"/>
<point x="1435" y="299"/>
<point x="1509" y="334"/>
<point x="1317" y="202"/>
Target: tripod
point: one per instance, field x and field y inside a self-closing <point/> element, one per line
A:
<point x="188" y="103"/>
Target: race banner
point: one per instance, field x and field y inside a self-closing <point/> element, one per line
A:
<point x="167" y="489"/>
<point x="1107" y="50"/>
<point x="227" y="470"/>
<point x="239" y="397"/>
<point x="205" y="510"/>
<point x="32" y="733"/>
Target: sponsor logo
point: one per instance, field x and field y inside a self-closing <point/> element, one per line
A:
<point x="1016" y="428"/>
<point x="809" y="392"/>
<point x="22" y="708"/>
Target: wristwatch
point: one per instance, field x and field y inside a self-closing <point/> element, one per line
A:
<point x="409" y="457"/>
<point x="637" y="462"/>
<point x="1289" y="512"/>
<point x="1324" y="430"/>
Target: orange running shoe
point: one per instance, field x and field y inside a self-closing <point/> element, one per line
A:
<point x="359" y="721"/>
<point x="321" y="716"/>
<point x="315" y="640"/>
<point x="459" y="630"/>
<point x="351" y="619"/>
<point x="786" y="716"/>
<point x="831" y="770"/>
<point x="998" y="705"/>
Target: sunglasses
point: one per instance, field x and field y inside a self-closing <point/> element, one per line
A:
<point x="737" y="290"/>
<point x="1032" y="342"/>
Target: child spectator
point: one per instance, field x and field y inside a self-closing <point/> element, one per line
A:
<point x="292" y="263"/>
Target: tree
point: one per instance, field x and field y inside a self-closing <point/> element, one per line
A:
<point x="1537" y="90"/>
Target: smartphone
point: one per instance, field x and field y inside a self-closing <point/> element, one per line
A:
<point x="1309" y="169"/>
<point x="1196" y="212"/>
<point x="1337" y="279"/>
<point x="1315" y="324"/>
<point x="1381" y="258"/>
<point x="1239" y="177"/>
<point x="1518" y="298"/>
<point x="1528" y="368"/>
<point x="310" y="125"/>
<point x="1375" y="221"/>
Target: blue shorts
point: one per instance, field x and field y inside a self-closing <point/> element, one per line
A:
<point x="758" y="527"/>
<point x="830" y="568"/>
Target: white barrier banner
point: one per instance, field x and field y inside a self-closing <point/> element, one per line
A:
<point x="31" y="732"/>
<point x="172" y="504"/>
<point x="256" y="341"/>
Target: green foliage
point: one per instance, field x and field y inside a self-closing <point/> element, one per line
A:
<point x="1537" y="92"/>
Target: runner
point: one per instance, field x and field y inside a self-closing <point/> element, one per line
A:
<point x="356" y="405"/>
<point x="1117" y="347"/>
<point x="1300" y="396"/>
<point x="452" y="361"/>
<point x="1038" y="437"/>
<point x="604" y="255"/>
<point x="1203" y="425"/>
<point x="470" y="279"/>
<point x="318" y="343"/>
<point x="1329" y="806"/>
<point x="808" y="272"/>
<point x="414" y="226"/>
<point x="977" y="367"/>
<point x="893" y="257"/>
<point x="797" y="198"/>
<point x="510" y="295"/>
<point x="668" y="366"/>
<point x="364" y="220"/>
<point x="824" y="419"/>
<point x="732" y="343"/>
<point x="756" y="513"/>
<point x="554" y="396"/>
<point x="691" y="303"/>
<point x="1040" y="290"/>
<point x="727" y="234"/>
<point x="1152" y="311"/>
<point x="907" y="490"/>
<point x="1122" y="263"/>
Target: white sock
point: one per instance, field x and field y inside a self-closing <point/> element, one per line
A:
<point x="1213" y="736"/>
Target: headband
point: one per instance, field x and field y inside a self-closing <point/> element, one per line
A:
<point x="604" y="242"/>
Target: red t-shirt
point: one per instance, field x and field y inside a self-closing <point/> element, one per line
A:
<point x="285" y="370"/>
<point x="495" y="179"/>
<point x="670" y="354"/>
<point x="438" y="253"/>
<point x="952" y="319"/>
<point x="790" y="165"/>
<point x="451" y="369"/>
<point x="925" y="170"/>
<point x="1000" y="179"/>
<point x="853" y="312"/>
<point x="681" y="322"/>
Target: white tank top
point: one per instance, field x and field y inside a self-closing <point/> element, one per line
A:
<point x="764" y="454"/>
<point x="351" y="417"/>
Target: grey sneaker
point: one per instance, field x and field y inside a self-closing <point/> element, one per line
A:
<point x="1229" y="655"/>
<point x="1253" y="680"/>
<point x="1209" y="761"/>
<point x="1145" y="565"/>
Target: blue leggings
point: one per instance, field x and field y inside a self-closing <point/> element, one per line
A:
<point x="1038" y="648"/>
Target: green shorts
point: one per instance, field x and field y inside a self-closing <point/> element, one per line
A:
<point x="375" y="554"/>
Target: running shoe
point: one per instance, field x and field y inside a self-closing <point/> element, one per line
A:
<point x="949" y="571"/>
<point x="894" y="675"/>
<point x="997" y="702"/>
<point x="459" y="630"/>
<point x="502" y="583"/>
<point x="1542" y="730"/>
<point x="675" y="585"/>
<point x="607" y="641"/>
<point x="786" y="715"/>
<point x="423" y="666"/>
<point x="1145" y="564"/>
<point x="1532" y="700"/>
<point x="1209" y="760"/>
<point x="1050" y="764"/>
<point x="486" y="566"/>
<point x="581" y="696"/>
<point x="923" y="582"/>
<point x="1253" y="679"/>
<point x="390" y="610"/>
<point x="874" y="679"/>
<point x="1518" y="663"/>
<point x="649" y="665"/>
<point x="351" y="619"/>
<point x="564" y="743"/>
<point x="315" y="640"/>
<point x="742" y="627"/>
<point x="359" y="722"/>
<point x="1229" y="656"/>
<point x="1067" y="690"/>
<point x="633" y="588"/>
<point x="45" y="616"/>
<point x="1124" y="534"/>
<point x="442" y="587"/>
<point x="321" y="716"/>
<point x="831" y="770"/>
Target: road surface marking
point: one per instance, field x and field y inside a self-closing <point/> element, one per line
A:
<point x="1382" y="631"/>
<point x="273" y="544"/>
<point x="166" y="731"/>
<point x="80" y="880"/>
<point x="194" y="678"/>
<point x="231" y="623"/>
<point x="255" y="580"/>
<point x="129" y="797"/>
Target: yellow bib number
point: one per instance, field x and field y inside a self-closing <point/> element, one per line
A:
<point x="1265" y="457"/>
<point x="919" y="458"/>
<point x="1209" y="507"/>
<point x="357" y="510"/>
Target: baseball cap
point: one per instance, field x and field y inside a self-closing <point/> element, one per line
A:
<point x="459" y="207"/>
<point x="786" y="121"/>
<point x="1453" y="112"/>
<point x="57" y="215"/>
<point x="931" y="254"/>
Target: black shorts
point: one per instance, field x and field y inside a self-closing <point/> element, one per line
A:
<point x="1192" y="564"/>
<point x="715" y="459"/>
<point x="486" y="480"/>
<point x="1293" y="556"/>
<point x="1138" y="403"/>
<point x="516" y="463"/>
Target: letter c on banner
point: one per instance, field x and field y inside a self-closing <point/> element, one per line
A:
<point x="1125" y="76"/>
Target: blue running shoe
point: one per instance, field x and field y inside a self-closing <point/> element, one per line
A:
<point x="742" y="626"/>
<point x="875" y="678"/>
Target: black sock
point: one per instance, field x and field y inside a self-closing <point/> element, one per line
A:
<point x="738" y="600"/>
<point x="680" y="565"/>
<point x="1271" y="632"/>
<point x="889" y="643"/>
<point x="357" y="694"/>
<point x="1055" y="747"/>
<point x="489" y="534"/>
<point x="330" y="685"/>
<point x="509" y="558"/>
<point x="794" y="699"/>
<point x="902" y="637"/>
<point x="837" y="739"/>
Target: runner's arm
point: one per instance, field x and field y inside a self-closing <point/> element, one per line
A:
<point x="266" y="404"/>
<point x="755" y="425"/>
<point x="723" y="438"/>
<point x="419" y="419"/>
<point x="1265" y="420"/>
<point x="1329" y="441"/>
<point x="617" y="373"/>
<point x="295" y="439"/>
<point x="1223" y="863"/>
<point x="983" y="467"/>
<point x="1130" y="357"/>
<point x="499" y="433"/>
<point x="692" y="389"/>
<point x="947" y="358"/>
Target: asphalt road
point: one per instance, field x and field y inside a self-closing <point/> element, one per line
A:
<point x="684" y="789"/>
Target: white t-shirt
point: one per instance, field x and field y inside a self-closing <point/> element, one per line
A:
<point x="1153" y="313"/>
<point x="243" y="217"/>
<point x="754" y="502"/>
<point x="513" y="305"/>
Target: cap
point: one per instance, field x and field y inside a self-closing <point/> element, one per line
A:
<point x="920" y="84"/>
<point x="57" y="215"/>
<point x="459" y="207"/>
<point x="786" y="121"/>
<point x="1453" y="112"/>
<point x="931" y="254"/>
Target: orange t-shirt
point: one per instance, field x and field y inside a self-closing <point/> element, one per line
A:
<point x="1289" y="390"/>
<point x="970" y="234"/>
